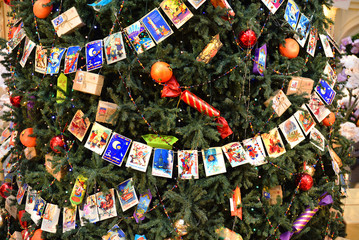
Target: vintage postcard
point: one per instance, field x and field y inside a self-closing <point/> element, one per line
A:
<point x="30" y="200"/>
<point x="40" y="60"/>
<point x="312" y="42"/>
<point x="273" y="5"/>
<point x="54" y="60"/>
<point x="291" y="131"/>
<point x="140" y="237"/>
<point x="139" y="37"/>
<point x="303" y="29"/>
<point x="29" y="46"/>
<point x="143" y="205"/>
<point x="79" y="126"/>
<point x="71" y="59"/>
<point x="13" y="42"/>
<point x="305" y="120"/>
<point x="331" y="76"/>
<point x="98" y="138"/>
<point x="139" y="156"/>
<point x="38" y="210"/>
<point x="20" y="193"/>
<point x="114" y="48"/>
<point x="156" y="25"/>
<point x="69" y="218"/>
<point x="325" y="91"/>
<point x="127" y="194"/>
<point x="115" y="233"/>
<point x="317" y="139"/>
<point x="236" y="154"/>
<point x="188" y="164"/>
<point x="116" y="149"/>
<point x="326" y="46"/>
<point x="291" y="14"/>
<point x="273" y="143"/>
<point x="317" y="107"/>
<point x="177" y="11"/>
<point x="50" y="218"/>
<point x="213" y="161"/>
<point x="196" y="3"/>
<point x="106" y="204"/>
<point x="94" y="55"/>
<point x="88" y="211"/>
<point x="210" y="50"/>
<point x="255" y="150"/>
<point x="162" y="163"/>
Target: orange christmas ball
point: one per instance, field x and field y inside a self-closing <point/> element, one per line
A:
<point x="26" y="140"/>
<point x="37" y="235"/>
<point x="161" y="72"/>
<point x="40" y="10"/>
<point x="329" y="120"/>
<point x="290" y="49"/>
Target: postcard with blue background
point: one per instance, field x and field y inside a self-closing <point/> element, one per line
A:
<point x="325" y="91"/>
<point x="29" y="46"/>
<point x="142" y="207"/>
<point x="116" y="149"/>
<point x="157" y="25"/>
<point x="139" y="37"/>
<point x="54" y="60"/>
<point x="69" y="218"/>
<point x="162" y="163"/>
<point x="213" y="161"/>
<point x="94" y="55"/>
<point x="38" y="210"/>
<point x="303" y="29"/>
<point x="71" y="58"/>
<point x="273" y="5"/>
<point x="291" y="14"/>
<point x="126" y="194"/>
<point x="21" y="193"/>
<point x="115" y="233"/>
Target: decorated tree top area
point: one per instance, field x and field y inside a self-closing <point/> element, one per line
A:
<point x="173" y="120"/>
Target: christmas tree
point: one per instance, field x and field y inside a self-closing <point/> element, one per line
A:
<point x="176" y="103"/>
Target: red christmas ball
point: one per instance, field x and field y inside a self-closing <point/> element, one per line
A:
<point x="247" y="38"/>
<point x="22" y="223"/>
<point x="57" y="141"/>
<point x="305" y="181"/>
<point x="5" y="189"/>
<point x="15" y="101"/>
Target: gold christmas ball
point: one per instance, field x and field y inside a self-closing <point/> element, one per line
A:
<point x="309" y="169"/>
<point x="181" y="227"/>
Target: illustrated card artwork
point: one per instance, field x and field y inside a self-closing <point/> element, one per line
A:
<point x="53" y="65"/>
<point x="303" y="29"/>
<point x="50" y="218"/>
<point x="13" y="42"/>
<point x="312" y="42"/>
<point x="115" y="233"/>
<point x="88" y="211"/>
<point x="140" y="237"/>
<point x="38" y="211"/>
<point x="114" y="48"/>
<point x="139" y="156"/>
<point x="177" y="11"/>
<point x="335" y="157"/>
<point x="20" y="193"/>
<point x="98" y="138"/>
<point x="11" y="206"/>
<point x="156" y="25"/>
<point x="30" y="200"/>
<point x="326" y="46"/>
<point x="162" y="163"/>
<point x="29" y="46"/>
<point x="273" y="5"/>
<point x="236" y="154"/>
<point x="188" y="164"/>
<point x="79" y="126"/>
<point x="273" y="143"/>
<point x="291" y="131"/>
<point x="71" y="59"/>
<point x="106" y="204"/>
<point x="210" y="50"/>
<point x="325" y="91"/>
<point x="331" y="75"/>
<point x="305" y="120"/>
<point x="94" y="55"/>
<point x="116" y="149"/>
<point x="127" y="194"/>
<point x="196" y="3"/>
<point x="69" y="218"/>
<point x="213" y="161"/>
<point x="139" y="37"/>
<point x="291" y="14"/>
<point x="317" y="107"/>
<point x="143" y="205"/>
<point x="255" y="150"/>
<point x="317" y="139"/>
<point x="40" y="59"/>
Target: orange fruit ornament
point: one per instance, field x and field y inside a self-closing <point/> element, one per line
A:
<point x="40" y="10"/>
<point x="329" y="120"/>
<point x="26" y="140"/>
<point x="37" y="235"/>
<point x="290" y="49"/>
<point x="161" y="72"/>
